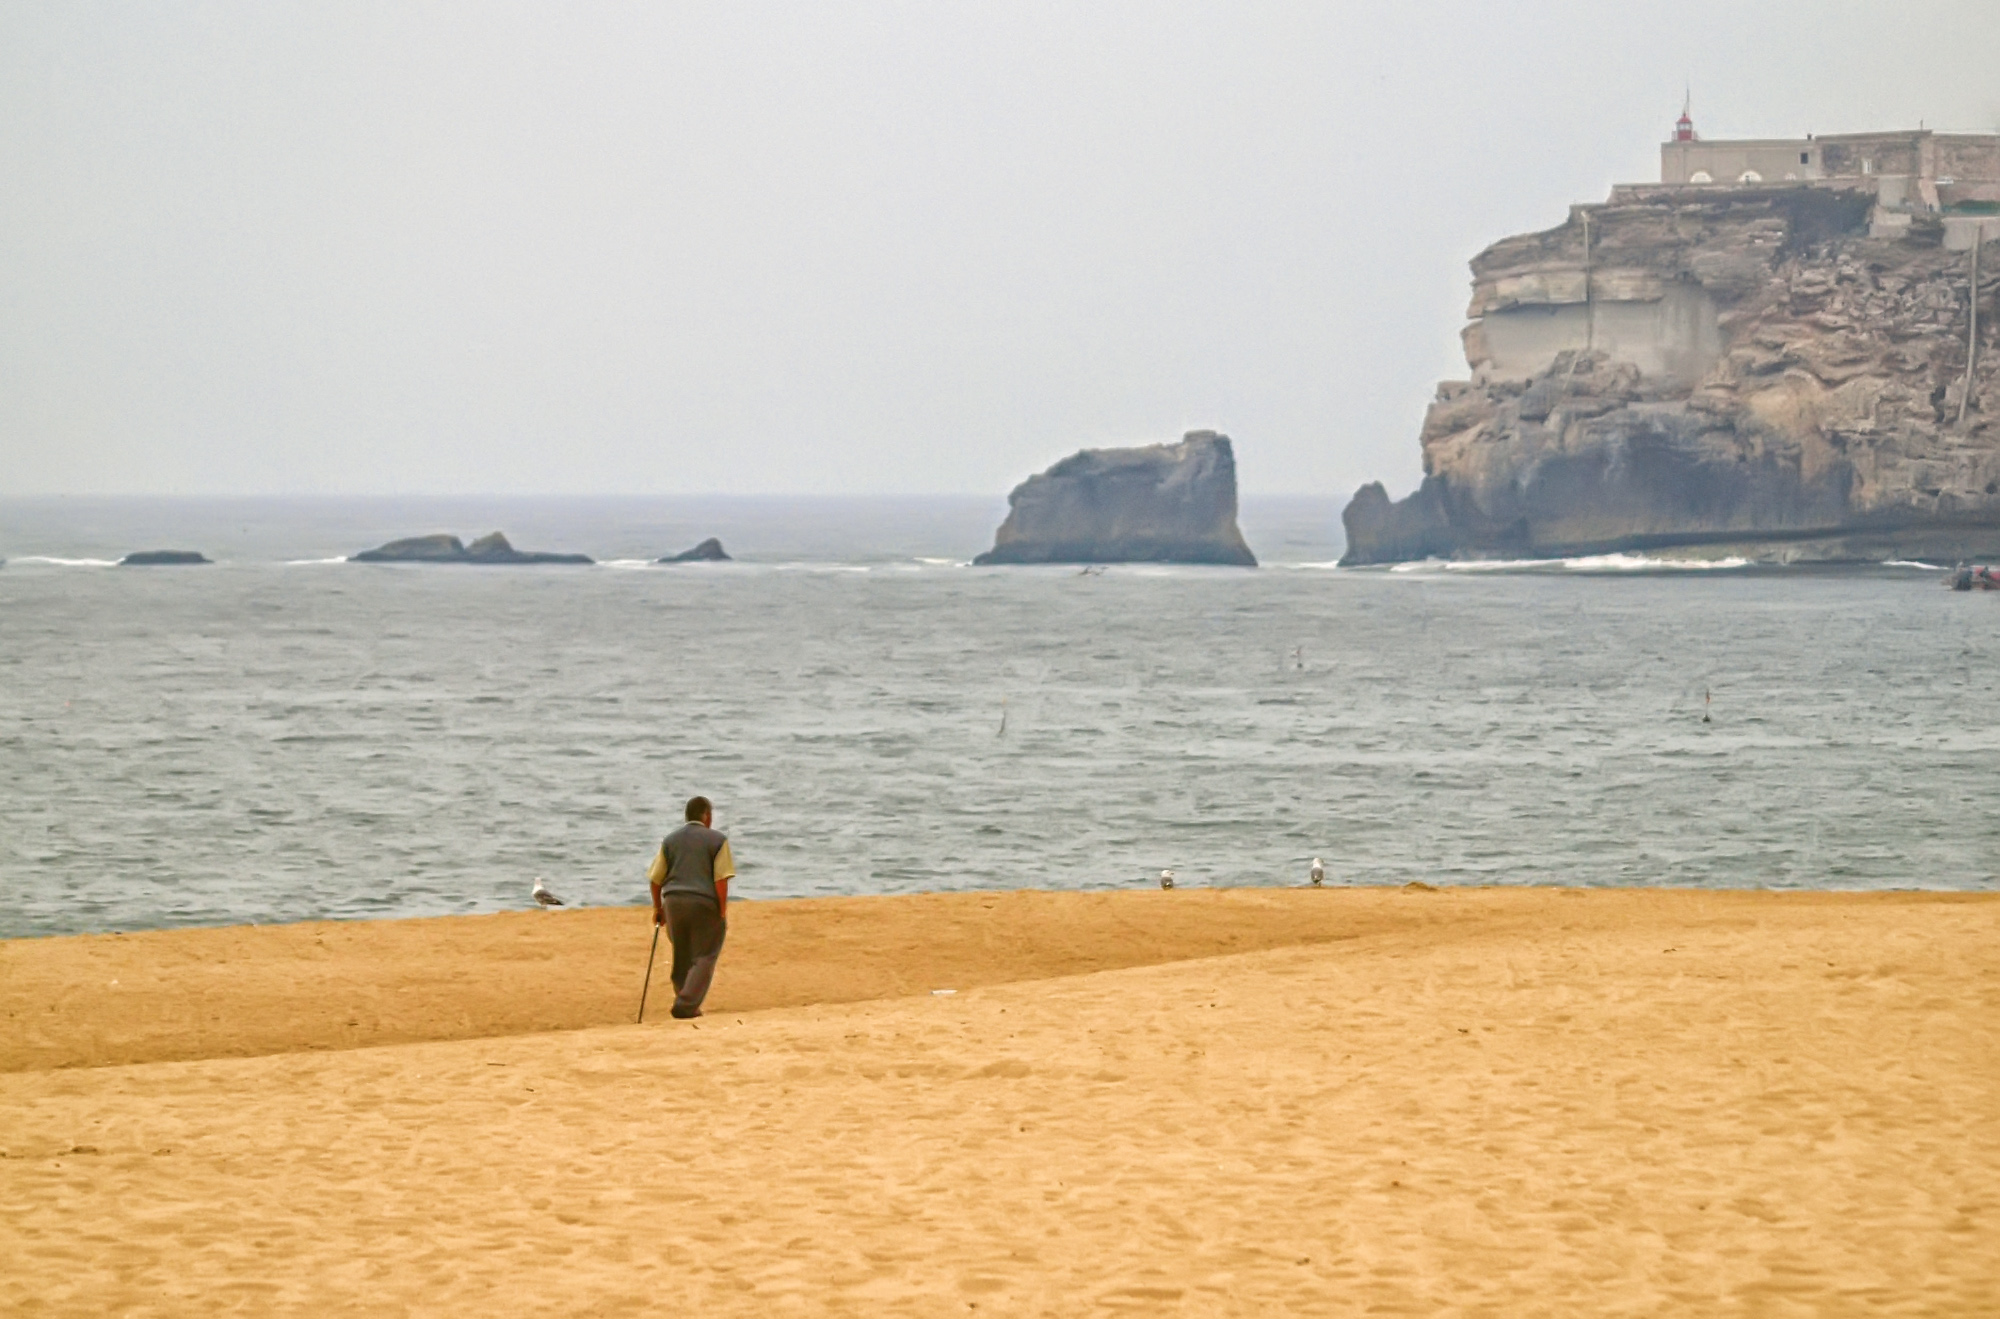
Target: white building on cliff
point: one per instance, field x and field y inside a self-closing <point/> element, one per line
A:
<point x="1914" y="172"/>
<point x="1598" y="283"/>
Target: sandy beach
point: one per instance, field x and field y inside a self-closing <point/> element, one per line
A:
<point x="1365" y="1101"/>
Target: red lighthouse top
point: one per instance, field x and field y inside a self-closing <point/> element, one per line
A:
<point x="1684" y="129"/>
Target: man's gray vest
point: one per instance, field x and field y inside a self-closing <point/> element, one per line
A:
<point x="691" y="853"/>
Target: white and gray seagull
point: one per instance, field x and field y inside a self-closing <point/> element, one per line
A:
<point x="1318" y="873"/>
<point x="1166" y="879"/>
<point x="542" y="895"/>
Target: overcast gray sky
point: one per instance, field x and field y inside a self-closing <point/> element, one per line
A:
<point x="797" y="248"/>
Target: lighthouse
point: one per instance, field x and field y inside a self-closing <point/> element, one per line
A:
<point x="1684" y="126"/>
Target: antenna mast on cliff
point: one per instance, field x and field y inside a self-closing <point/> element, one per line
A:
<point x="1972" y="325"/>
<point x="1589" y="304"/>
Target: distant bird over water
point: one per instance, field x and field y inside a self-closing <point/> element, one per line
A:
<point x="1166" y="879"/>
<point x="1318" y="873"/>
<point x="542" y="895"/>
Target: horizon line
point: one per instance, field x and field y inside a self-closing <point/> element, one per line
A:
<point x="16" y="496"/>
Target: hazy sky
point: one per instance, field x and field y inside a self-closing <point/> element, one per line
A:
<point x="827" y="247"/>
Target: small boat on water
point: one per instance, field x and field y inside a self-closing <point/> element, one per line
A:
<point x="1974" y="577"/>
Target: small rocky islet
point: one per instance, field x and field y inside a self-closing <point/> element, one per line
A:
<point x="495" y="548"/>
<point x="164" y="559"/>
<point x="709" y="551"/>
<point x="441" y="548"/>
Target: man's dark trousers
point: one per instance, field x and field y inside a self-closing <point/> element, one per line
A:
<point x="695" y="927"/>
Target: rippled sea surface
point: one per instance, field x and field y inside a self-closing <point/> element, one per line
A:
<point x="274" y="738"/>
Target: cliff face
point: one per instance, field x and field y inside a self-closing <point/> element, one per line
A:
<point x="1746" y="371"/>
<point x="1165" y="503"/>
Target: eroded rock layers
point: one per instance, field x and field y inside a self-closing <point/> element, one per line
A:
<point x="1746" y="371"/>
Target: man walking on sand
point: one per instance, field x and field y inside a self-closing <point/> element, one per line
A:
<point x="690" y="879"/>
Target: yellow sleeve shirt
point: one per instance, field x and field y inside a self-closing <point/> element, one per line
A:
<point x="725" y="865"/>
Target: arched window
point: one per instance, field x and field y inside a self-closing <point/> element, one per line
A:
<point x="1701" y="176"/>
<point x="1750" y="176"/>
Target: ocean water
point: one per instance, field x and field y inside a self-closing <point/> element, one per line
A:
<point x="281" y="737"/>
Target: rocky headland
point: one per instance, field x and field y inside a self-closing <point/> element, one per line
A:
<point x="1772" y="372"/>
<point x="490" y="549"/>
<point x="709" y="551"/>
<point x="1162" y="503"/>
<point x="163" y="559"/>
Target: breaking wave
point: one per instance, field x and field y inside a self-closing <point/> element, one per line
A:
<point x="1588" y="563"/>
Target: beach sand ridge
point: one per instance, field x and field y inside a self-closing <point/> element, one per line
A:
<point x="1484" y="1102"/>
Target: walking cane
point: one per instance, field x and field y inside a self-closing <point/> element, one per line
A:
<point x="649" y="972"/>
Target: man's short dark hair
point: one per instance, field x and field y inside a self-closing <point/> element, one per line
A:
<point x="698" y="808"/>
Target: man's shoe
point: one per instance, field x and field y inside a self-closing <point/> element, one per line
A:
<point x="684" y="1014"/>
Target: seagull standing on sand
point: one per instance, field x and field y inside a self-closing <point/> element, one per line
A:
<point x="542" y="895"/>
<point x="1318" y="873"/>
<point x="1166" y="879"/>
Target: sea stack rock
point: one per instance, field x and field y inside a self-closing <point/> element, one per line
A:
<point x="1164" y="503"/>
<point x="162" y="559"/>
<point x="1793" y="367"/>
<point x="709" y="551"/>
<point x="490" y="549"/>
